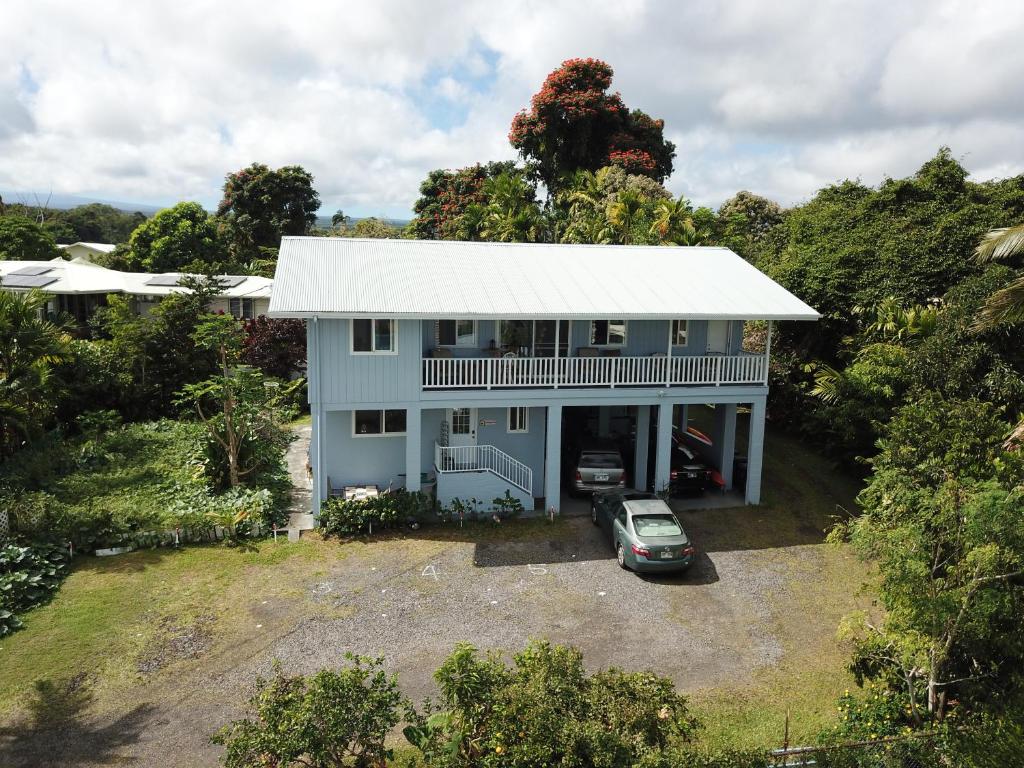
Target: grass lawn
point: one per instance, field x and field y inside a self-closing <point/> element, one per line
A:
<point x="155" y="625"/>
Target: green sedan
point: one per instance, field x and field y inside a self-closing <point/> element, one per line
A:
<point x="643" y="531"/>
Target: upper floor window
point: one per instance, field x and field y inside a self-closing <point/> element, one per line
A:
<point x="456" y="333"/>
<point x="607" y="333"/>
<point x="679" y="333"/>
<point x="519" y="419"/>
<point x="242" y="309"/>
<point x="370" y="337"/>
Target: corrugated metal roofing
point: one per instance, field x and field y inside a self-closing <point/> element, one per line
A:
<point x="84" y="277"/>
<point x="350" y="277"/>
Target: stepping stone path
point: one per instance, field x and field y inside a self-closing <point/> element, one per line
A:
<point x="299" y="517"/>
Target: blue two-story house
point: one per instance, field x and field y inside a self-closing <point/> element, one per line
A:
<point x="461" y="364"/>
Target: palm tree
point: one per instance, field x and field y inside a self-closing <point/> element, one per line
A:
<point x="1005" y="306"/>
<point x="623" y="215"/>
<point x="30" y="346"/>
<point x="512" y="214"/>
<point x="673" y="223"/>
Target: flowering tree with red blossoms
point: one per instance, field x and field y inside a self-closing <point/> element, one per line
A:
<point x="574" y="123"/>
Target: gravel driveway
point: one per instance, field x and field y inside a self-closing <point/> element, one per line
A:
<point x="411" y="598"/>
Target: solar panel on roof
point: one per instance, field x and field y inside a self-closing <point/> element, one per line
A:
<point x="28" y="281"/>
<point x="166" y="280"/>
<point x="230" y="281"/>
<point x="31" y="271"/>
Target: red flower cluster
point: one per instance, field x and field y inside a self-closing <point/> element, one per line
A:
<point x="632" y="160"/>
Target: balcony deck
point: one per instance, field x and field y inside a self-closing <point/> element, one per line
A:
<point x="553" y="373"/>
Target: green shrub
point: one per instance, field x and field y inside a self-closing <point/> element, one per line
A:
<point x="507" y="506"/>
<point x="29" y="575"/>
<point x="546" y="710"/>
<point x="341" y="517"/>
<point x="332" y="718"/>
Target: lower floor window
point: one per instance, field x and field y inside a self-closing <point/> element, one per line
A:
<point x="242" y="309"/>
<point x="383" y="422"/>
<point x="519" y="419"/>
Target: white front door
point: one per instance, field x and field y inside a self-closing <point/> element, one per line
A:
<point x="462" y="424"/>
<point x="718" y="337"/>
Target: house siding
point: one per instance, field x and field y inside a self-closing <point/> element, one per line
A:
<point x="349" y="460"/>
<point x="348" y="378"/>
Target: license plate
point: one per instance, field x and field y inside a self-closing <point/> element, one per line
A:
<point x="601" y="477"/>
<point x="666" y="555"/>
<point x="691" y="474"/>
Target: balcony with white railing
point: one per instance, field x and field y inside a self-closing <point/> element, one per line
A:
<point x="555" y="372"/>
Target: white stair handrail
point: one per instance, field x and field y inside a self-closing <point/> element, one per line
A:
<point x="486" y="458"/>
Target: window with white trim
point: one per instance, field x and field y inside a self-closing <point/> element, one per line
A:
<point x="378" y="422"/>
<point x="456" y="333"/>
<point x="680" y="330"/>
<point x="242" y="309"/>
<point x="374" y="337"/>
<point x="607" y="333"/>
<point x="519" y="419"/>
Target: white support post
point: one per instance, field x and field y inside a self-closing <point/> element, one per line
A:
<point x="755" y="450"/>
<point x="668" y="357"/>
<point x="767" y="353"/>
<point x="413" y="448"/>
<point x="553" y="459"/>
<point x="558" y="327"/>
<point x="723" y="437"/>
<point x="643" y="437"/>
<point x="317" y="413"/>
<point x="663" y="457"/>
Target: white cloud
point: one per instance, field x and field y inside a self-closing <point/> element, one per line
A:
<point x="156" y="102"/>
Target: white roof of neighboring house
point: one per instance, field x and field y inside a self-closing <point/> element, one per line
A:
<point x="351" y="277"/>
<point x="98" y="247"/>
<point x="84" y="277"/>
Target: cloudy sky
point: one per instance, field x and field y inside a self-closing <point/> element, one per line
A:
<point x="154" y="102"/>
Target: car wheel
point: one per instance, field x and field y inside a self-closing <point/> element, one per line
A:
<point x="620" y="555"/>
<point x="593" y="512"/>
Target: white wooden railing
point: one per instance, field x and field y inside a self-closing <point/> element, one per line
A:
<point x="488" y="373"/>
<point x="477" y="458"/>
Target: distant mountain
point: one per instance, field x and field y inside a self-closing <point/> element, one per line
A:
<point x="63" y="202"/>
<point x="324" y="222"/>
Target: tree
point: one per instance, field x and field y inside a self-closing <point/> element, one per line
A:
<point x="673" y="223"/>
<point x="942" y="520"/>
<point x="261" y="205"/>
<point x="339" y="220"/>
<point x="546" y="710"/>
<point x="374" y="228"/>
<point x="275" y="346"/>
<point x="1005" y="306"/>
<point x="30" y="348"/>
<point x="511" y="214"/>
<point x="445" y="195"/>
<point x="574" y="123"/>
<point x="182" y="238"/>
<point x="234" y="404"/>
<point x="327" y="720"/>
<point x="21" y="239"/>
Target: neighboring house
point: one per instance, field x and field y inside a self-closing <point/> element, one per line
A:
<point x="459" y="362"/>
<point x="86" y="252"/>
<point x="79" y="287"/>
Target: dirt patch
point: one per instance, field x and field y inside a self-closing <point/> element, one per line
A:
<point x="176" y="641"/>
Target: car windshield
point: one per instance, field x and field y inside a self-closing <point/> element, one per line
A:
<point x="601" y="460"/>
<point x="656" y="525"/>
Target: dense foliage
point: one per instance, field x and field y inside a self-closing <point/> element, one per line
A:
<point x="90" y="223"/>
<point x="445" y="196"/>
<point x="182" y="238"/>
<point x="22" y="239"/>
<point x="261" y="205"/>
<point x="574" y="124"/>
<point x="348" y="517"/>
<point x="29" y="575"/>
<point x="333" y="718"/>
<point x="275" y="346"/>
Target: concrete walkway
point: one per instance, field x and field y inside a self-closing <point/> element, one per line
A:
<point x="299" y="517"/>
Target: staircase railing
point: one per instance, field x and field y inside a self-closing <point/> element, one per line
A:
<point x="483" y="458"/>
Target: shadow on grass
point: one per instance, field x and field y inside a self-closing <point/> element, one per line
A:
<point x="56" y="731"/>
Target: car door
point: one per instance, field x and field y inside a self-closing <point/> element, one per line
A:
<point x="619" y="533"/>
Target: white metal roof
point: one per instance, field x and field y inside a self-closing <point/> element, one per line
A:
<point x="84" y="277"/>
<point x="351" y="277"/>
<point x="98" y="247"/>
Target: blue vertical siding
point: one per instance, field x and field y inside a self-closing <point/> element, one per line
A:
<point x="349" y="460"/>
<point x="348" y="378"/>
